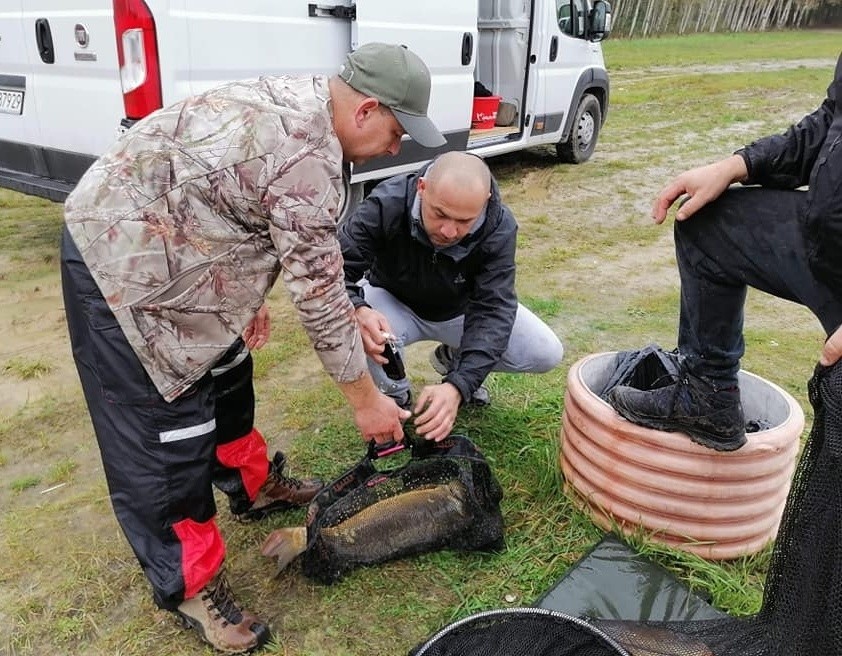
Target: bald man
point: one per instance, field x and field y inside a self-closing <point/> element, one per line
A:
<point x="431" y="256"/>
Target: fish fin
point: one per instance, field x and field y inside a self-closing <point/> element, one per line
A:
<point x="285" y="544"/>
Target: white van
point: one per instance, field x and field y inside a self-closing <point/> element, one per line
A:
<point x="74" y="73"/>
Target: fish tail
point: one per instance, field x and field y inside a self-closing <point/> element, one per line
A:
<point x="285" y="544"/>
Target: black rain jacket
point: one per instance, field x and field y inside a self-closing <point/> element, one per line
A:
<point x="810" y="153"/>
<point x="476" y="277"/>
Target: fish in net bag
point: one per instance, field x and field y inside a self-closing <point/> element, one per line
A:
<point x="444" y="497"/>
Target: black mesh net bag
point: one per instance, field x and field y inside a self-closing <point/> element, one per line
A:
<point x="520" y="632"/>
<point x="444" y="496"/>
<point x="802" y="601"/>
<point x="801" y="614"/>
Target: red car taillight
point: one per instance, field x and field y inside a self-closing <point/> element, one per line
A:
<point x="137" y="52"/>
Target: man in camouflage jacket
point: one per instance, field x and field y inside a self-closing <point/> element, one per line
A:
<point x="173" y="239"/>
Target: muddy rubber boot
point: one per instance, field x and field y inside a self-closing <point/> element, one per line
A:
<point x="280" y="492"/>
<point x="217" y="617"/>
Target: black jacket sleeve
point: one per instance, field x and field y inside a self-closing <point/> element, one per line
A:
<point x="362" y="233"/>
<point x="490" y="314"/>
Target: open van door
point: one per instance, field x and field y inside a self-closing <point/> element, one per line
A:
<point x="444" y="34"/>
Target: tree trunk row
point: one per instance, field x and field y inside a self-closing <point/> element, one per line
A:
<point x="641" y="18"/>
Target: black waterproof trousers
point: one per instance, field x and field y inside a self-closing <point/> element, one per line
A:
<point x="748" y="237"/>
<point x="161" y="459"/>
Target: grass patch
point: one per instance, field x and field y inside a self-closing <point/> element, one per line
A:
<point x="24" y="483"/>
<point x="635" y="54"/>
<point x="26" y="368"/>
<point x="546" y="308"/>
<point x="62" y="471"/>
<point x="29" y="236"/>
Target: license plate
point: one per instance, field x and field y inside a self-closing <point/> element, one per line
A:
<point x="11" y="102"/>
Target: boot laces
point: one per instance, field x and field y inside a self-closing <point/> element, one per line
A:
<point x="287" y="481"/>
<point x="683" y="387"/>
<point x="694" y="390"/>
<point x="222" y="603"/>
<point x="670" y="378"/>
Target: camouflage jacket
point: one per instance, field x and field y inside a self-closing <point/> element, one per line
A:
<point x="187" y="221"/>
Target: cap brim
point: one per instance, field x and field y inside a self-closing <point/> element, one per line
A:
<point x="421" y="129"/>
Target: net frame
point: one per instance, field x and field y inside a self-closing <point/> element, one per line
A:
<point x="521" y="611"/>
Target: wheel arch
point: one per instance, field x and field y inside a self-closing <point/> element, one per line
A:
<point x="595" y="82"/>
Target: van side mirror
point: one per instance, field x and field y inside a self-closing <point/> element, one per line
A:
<point x="599" y="21"/>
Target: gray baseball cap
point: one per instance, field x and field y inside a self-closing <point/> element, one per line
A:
<point x="400" y="80"/>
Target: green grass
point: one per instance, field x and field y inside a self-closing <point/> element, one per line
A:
<point x="693" y="49"/>
<point x="24" y="483"/>
<point x="29" y="236"/>
<point x="26" y="369"/>
<point x="590" y="263"/>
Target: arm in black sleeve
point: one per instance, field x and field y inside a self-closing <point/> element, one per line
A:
<point x="489" y="317"/>
<point x="784" y="161"/>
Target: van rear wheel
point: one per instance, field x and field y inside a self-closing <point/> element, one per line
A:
<point x="581" y="141"/>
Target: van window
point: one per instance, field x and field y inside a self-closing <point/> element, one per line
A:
<point x="571" y="16"/>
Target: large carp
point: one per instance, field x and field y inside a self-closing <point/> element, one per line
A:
<point x="646" y="640"/>
<point x="411" y="522"/>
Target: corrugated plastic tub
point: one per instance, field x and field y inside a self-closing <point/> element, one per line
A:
<point x="718" y="505"/>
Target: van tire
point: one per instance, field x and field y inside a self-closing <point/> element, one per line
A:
<point x="584" y="132"/>
<point x="352" y="195"/>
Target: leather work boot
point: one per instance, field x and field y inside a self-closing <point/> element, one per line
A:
<point x="712" y="416"/>
<point x="280" y="492"/>
<point x="441" y="360"/>
<point x="220" y="621"/>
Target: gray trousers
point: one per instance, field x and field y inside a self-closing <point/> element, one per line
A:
<point x="533" y="346"/>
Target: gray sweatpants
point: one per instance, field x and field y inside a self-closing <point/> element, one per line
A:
<point x="533" y="346"/>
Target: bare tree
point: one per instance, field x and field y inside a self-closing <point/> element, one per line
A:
<point x="648" y="17"/>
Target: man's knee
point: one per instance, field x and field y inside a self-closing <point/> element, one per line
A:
<point x="549" y="355"/>
<point x="543" y="354"/>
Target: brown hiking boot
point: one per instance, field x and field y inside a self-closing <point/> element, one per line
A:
<point x="280" y="492"/>
<point x="220" y="621"/>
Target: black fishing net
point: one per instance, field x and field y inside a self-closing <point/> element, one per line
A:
<point x="520" y="632"/>
<point x="444" y="496"/>
<point x="801" y="614"/>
